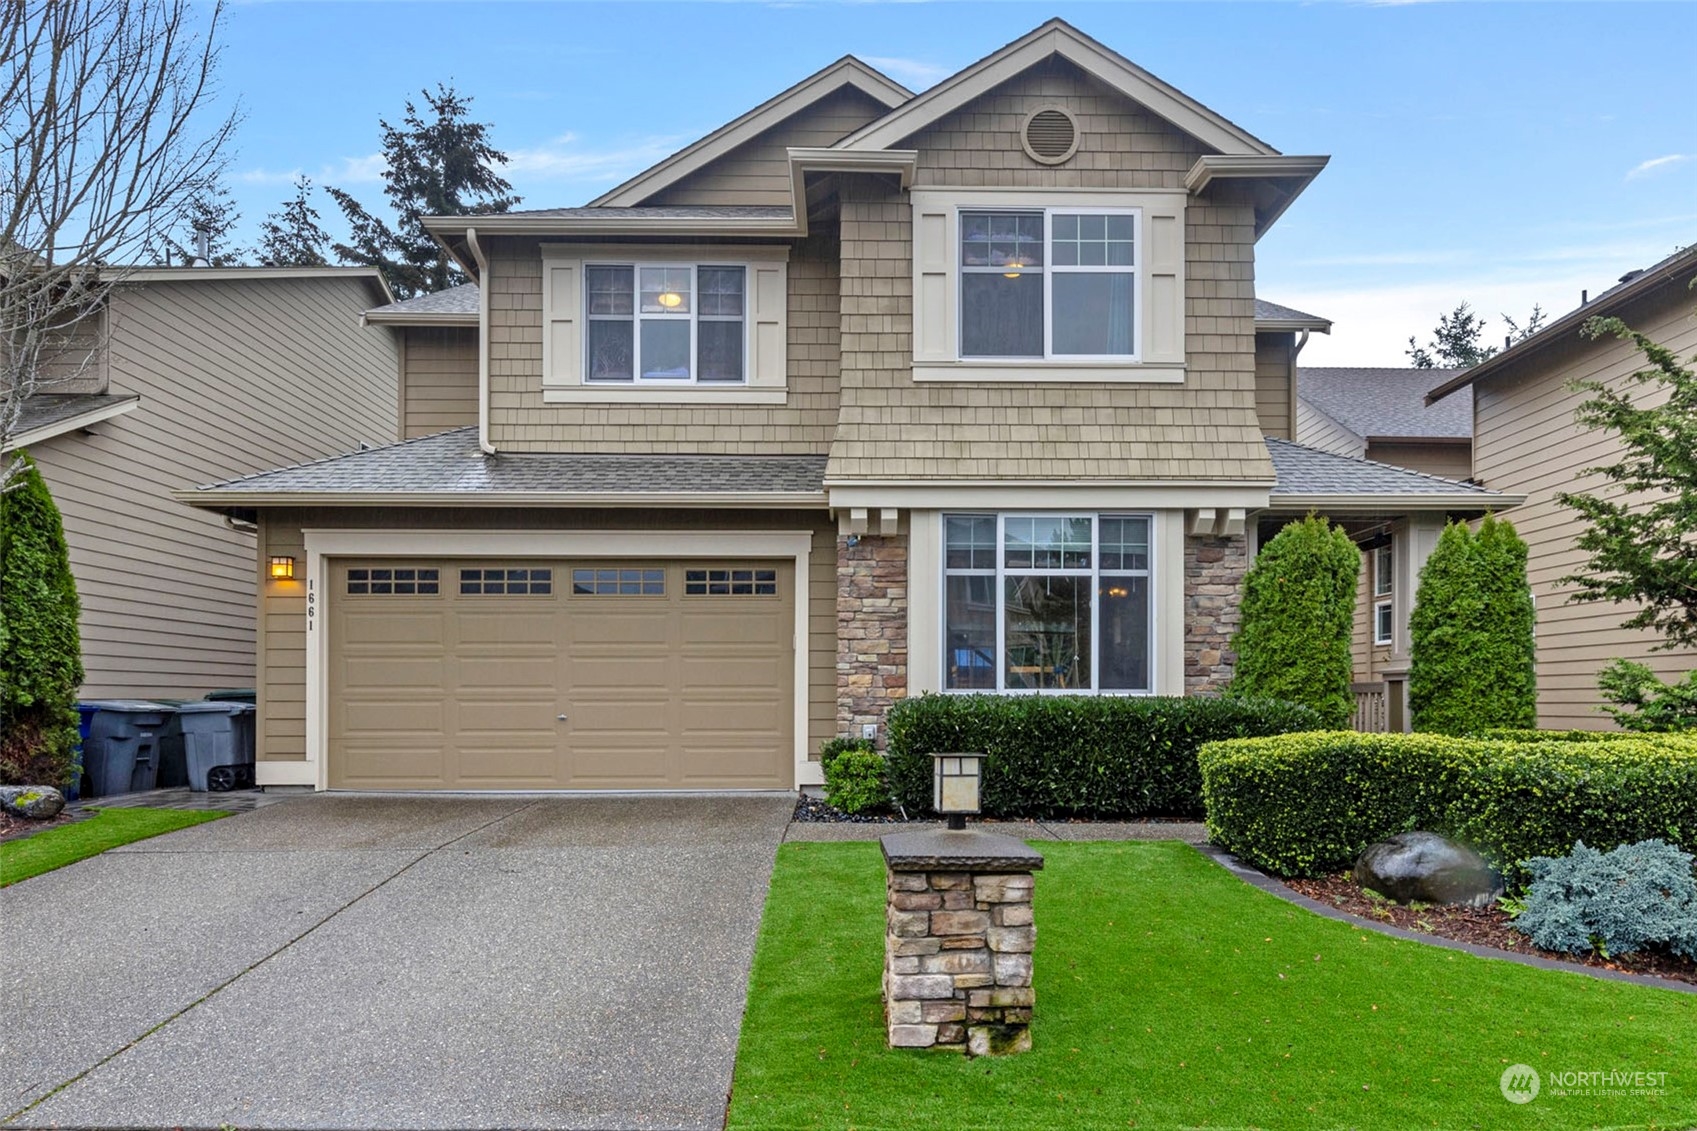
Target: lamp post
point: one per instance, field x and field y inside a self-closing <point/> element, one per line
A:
<point x="955" y="786"/>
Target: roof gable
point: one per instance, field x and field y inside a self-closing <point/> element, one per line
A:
<point x="847" y="71"/>
<point x="1386" y="403"/>
<point x="1058" y="38"/>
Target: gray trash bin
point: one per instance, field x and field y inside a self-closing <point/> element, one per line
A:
<point x="217" y="745"/>
<point x="121" y="753"/>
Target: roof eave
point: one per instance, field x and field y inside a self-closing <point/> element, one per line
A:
<point x="370" y="275"/>
<point x="780" y="227"/>
<point x="1285" y="175"/>
<point x="423" y="318"/>
<point x="81" y="420"/>
<point x="1292" y="325"/>
<point x="744" y="500"/>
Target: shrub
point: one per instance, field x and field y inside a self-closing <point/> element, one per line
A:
<point x="831" y="747"/>
<point x="1639" y="701"/>
<point x="1308" y="804"/>
<point x="1471" y="634"/>
<point x="40" y="649"/>
<point x="1075" y="755"/>
<point x="1298" y="620"/>
<point x="1615" y="902"/>
<point x="857" y="780"/>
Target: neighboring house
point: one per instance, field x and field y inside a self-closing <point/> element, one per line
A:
<point x="197" y="373"/>
<point x="1525" y="440"/>
<point x="865" y="394"/>
<point x="1381" y="414"/>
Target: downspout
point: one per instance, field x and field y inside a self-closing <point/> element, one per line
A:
<point x="1295" y="352"/>
<point x="476" y="250"/>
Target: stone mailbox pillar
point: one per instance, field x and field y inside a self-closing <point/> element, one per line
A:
<point x="958" y="941"/>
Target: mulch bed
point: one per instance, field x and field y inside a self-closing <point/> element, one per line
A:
<point x="16" y="828"/>
<point x="1481" y="926"/>
<point x="816" y="810"/>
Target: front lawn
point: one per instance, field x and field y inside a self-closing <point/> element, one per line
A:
<point x="1170" y="994"/>
<point x="108" y="828"/>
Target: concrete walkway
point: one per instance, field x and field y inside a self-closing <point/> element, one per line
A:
<point x="396" y="962"/>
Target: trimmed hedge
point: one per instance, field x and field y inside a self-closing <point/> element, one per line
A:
<point x="1076" y="755"/>
<point x="1308" y="804"/>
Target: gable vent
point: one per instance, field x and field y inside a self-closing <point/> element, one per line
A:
<point x="1050" y="135"/>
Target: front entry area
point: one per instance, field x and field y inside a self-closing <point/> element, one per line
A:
<point x="480" y="674"/>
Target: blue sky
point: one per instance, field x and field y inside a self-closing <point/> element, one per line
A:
<point x="1507" y="154"/>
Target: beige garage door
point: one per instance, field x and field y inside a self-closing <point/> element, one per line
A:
<point x="561" y="675"/>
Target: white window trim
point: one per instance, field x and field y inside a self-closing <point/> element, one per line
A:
<point x="693" y="315"/>
<point x="1049" y="270"/>
<point x="1379" y="638"/>
<point x="1384" y="578"/>
<point x="1160" y="295"/>
<point x="765" y="325"/>
<point x="324" y="545"/>
<point x="1094" y="573"/>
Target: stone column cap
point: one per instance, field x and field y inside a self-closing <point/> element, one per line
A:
<point x="946" y="850"/>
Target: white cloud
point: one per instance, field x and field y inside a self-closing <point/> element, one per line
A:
<point x="1657" y="165"/>
<point x="365" y="170"/>
<point x="562" y="159"/>
<point x="917" y="74"/>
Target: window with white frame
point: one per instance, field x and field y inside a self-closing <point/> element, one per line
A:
<point x="1384" y="592"/>
<point x="1049" y="283"/>
<point x="1047" y="602"/>
<point x="665" y="322"/>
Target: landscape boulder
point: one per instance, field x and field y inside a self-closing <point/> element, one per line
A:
<point x="32" y="802"/>
<point x="1420" y="867"/>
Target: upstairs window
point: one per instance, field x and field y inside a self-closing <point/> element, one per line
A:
<point x="1056" y="283"/>
<point x="1384" y="593"/>
<point x="665" y="323"/>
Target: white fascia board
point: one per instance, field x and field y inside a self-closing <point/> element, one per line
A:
<point x="71" y="424"/>
<point x="1058" y="38"/>
<point x="753" y="227"/>
<point x="1062" y="495"/>
<point x="369" y="275"/>
<point x="1211" y="167"/>
<point x="1293" y="325"/>
<point x="847" y="71"/>
<point x="426" y="318"/>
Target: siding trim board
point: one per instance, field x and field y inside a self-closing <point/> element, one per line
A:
<point x="323" y="546"/>
<point x="117" y="407"/>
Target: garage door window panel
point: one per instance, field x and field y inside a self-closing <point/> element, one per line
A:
<point x="604" y="582"/>
<point x="731" y="583"/>
<point x="373" y="581"/>
<point x="506" y="582"/>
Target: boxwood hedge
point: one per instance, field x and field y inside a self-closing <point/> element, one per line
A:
<point x="1307" y="804"/>
<point x="1076" y="755"/>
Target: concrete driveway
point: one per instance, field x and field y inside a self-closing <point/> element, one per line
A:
<point x="396" y="962"/>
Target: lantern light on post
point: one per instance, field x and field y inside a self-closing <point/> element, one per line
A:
<point x="282" y="568"/>
<point x="955" y="787"/>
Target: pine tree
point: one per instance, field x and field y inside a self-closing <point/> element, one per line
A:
<point x="1298" y="618"/>
<point x="1471" y="634"/>
<point x="436" y="164"/>
<point x="291" y="236"/>
<point x="40" y="647"/>
<point x="210" y="212"/>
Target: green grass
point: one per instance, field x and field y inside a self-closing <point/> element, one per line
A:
<point x="1170" y="994"/>
<point x="108" y="828"/>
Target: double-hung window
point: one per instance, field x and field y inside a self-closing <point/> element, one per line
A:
<point x="665" y="323"/>
<point x="1047" y="603"/>
<point x="1384" y="594"/>
<point x="1054" y="283"/>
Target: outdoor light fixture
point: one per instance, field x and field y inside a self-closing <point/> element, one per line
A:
<point x="955" y="788"/>
<point x="671" y="300"/>
<point x="282" y="568"/>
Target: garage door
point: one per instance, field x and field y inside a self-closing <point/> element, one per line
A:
<point x="561" y="675"/>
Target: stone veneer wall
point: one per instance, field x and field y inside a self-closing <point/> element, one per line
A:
<point x="871" y="630"/>
<point x="1213" y="580"/>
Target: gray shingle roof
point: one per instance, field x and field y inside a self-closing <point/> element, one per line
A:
<point x="47" y="409"/>
<point x="663" y="212"/>
<point x="1387" y="402"/>
<point x="1272" y="312"/>
<point x="455" y="300"/>
<point x="1301" y="470"/>
<point x="450" y="463"/>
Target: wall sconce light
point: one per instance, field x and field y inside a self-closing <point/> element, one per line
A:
<point x="955" y="788"/>
<point x="282" y="568"/>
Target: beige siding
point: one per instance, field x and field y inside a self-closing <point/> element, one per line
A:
<point x="1452" y="461"/>
<point x="758" y="171"/>
<point x="1526" y="441"/>
<point x="1274" y="376"/>
<point x="438" y="379"/>
<point x="520" y="421"/>
<point x="234" y="377"/>
<point x="1317" y="430"/>
<point x="282" y="727"/>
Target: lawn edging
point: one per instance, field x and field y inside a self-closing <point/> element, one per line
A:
<point x="1272" y="886"/>
<point x="54" y="848"/>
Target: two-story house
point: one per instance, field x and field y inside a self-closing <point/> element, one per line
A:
<point x="865" y="394"/>
<point x="187" y="374"/>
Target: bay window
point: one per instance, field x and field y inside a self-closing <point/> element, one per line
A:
<point x="665" y="323"/>
<point x="1047" y="602"/>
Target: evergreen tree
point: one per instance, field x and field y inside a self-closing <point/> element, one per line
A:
<point x="1458" y="340"/>
<point x="1298" y="619"/>
<point x="438" y="163"/>
<point x="1471" y="634"/>
<point x="212" y="212"/>
<point x="40" y="647"/>
<point x="291" y="236"/>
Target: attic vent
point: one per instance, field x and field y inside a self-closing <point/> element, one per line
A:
<point x="1050" y="135"/>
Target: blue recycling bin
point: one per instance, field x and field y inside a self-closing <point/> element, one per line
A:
<point x="85" y="716"/>
<point x="121" y="750"/>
